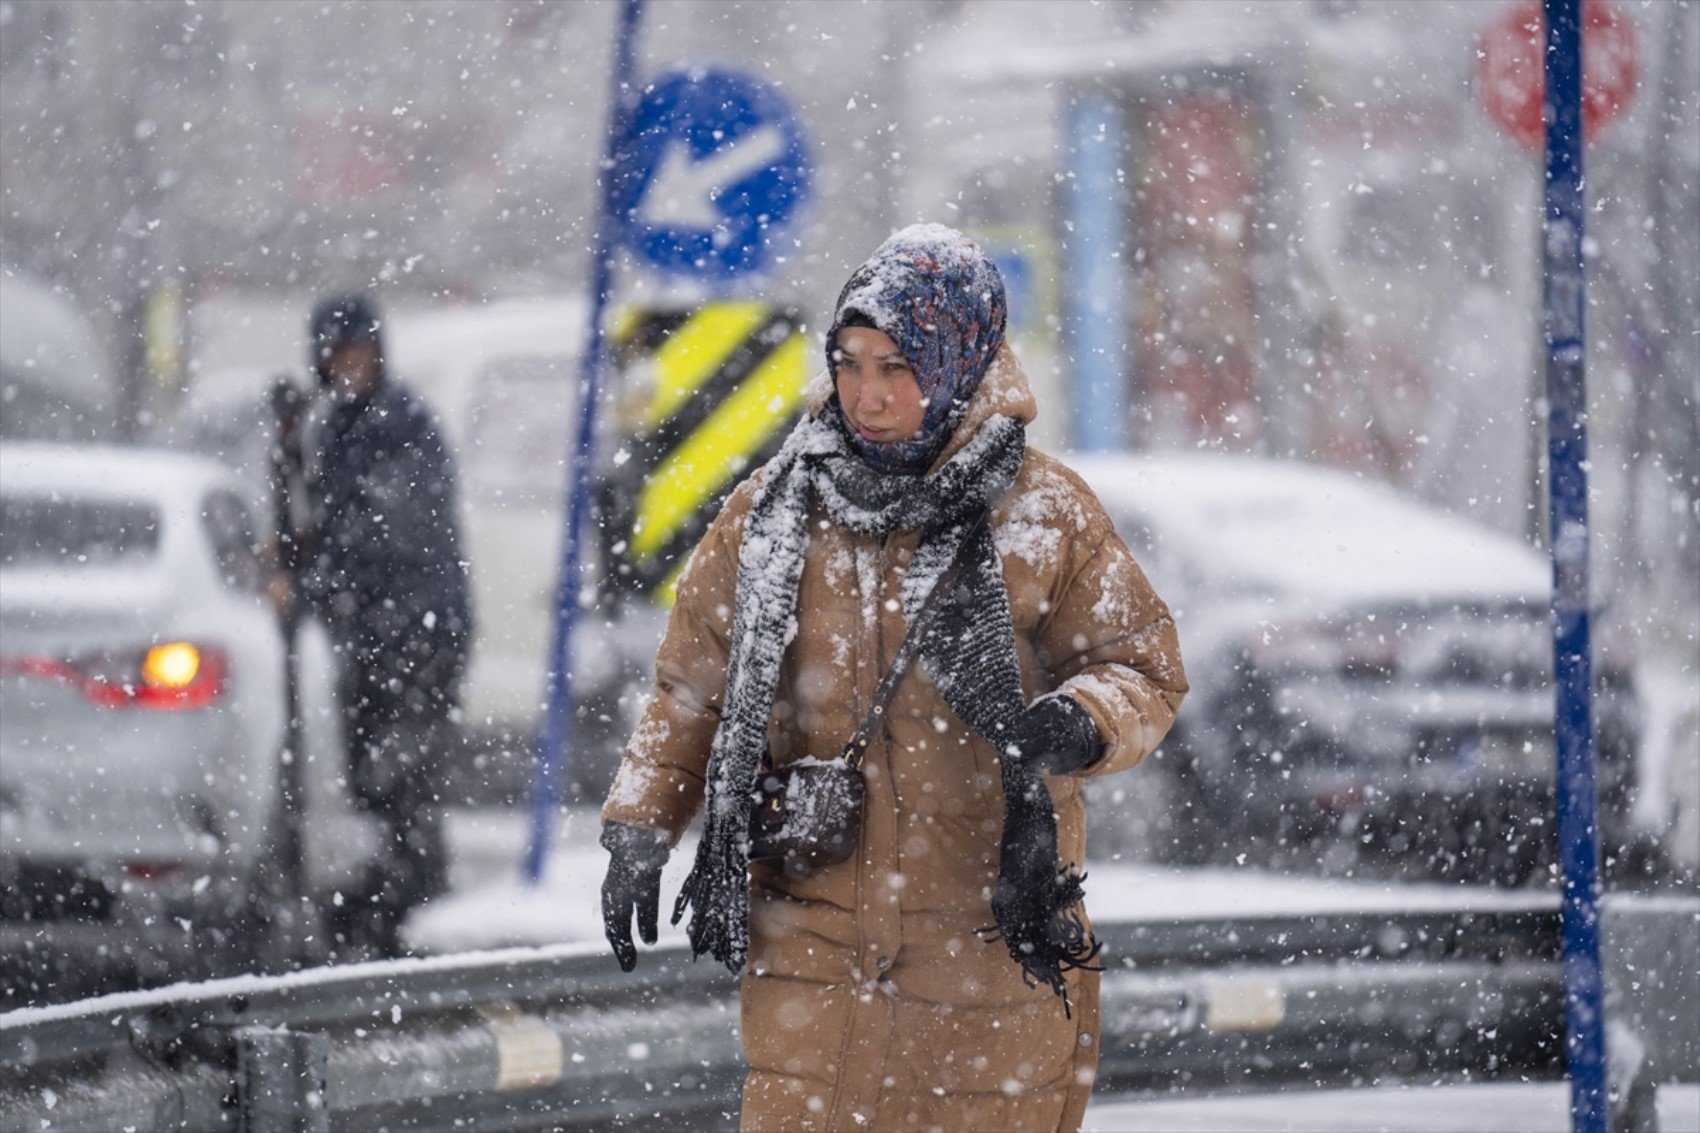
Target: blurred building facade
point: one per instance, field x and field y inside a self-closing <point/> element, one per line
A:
<point x="1322" y="246"/>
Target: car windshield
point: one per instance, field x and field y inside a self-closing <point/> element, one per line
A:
<point x="41" y="531"/>
<point x="1356" y="544"/>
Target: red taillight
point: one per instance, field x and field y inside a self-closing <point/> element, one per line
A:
<point x="145" y="870"/>
<point x="1361" y="650"/>
<point x="1339" y="800"/>
<point x="180" y="675"/>
<point x="1368" y="653"/>
<point x="172" y="676"/>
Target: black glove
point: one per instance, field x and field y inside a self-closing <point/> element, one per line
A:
<point x="1036" y="907"/>
<point x="1057" y="735"/>
<point x="633" y="881"/>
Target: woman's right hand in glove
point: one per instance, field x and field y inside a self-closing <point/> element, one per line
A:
<point x="633" y="883"/>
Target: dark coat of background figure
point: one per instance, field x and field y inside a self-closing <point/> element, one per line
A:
<point x="385" y="572"/>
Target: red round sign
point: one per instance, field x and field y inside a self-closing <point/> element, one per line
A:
<point x="1511" y="81"/>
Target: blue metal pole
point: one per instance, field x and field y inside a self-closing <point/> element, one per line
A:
<point x="1096" y="279"/>
<point x="557" y="725"/>
<point x="1577" y="795"/>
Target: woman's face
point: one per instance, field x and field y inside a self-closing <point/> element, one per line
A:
<point x="877" y="387"/>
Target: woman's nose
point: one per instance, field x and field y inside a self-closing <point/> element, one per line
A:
<point x="872" y="397"/>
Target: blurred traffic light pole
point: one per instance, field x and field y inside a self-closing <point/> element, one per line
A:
<point x="1563" y="287"/>
<point x="556" y="732"/>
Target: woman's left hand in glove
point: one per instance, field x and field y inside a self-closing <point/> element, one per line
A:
<point x="1056" y="735"/>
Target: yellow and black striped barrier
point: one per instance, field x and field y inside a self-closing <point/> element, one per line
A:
<point x="710" y="393"/>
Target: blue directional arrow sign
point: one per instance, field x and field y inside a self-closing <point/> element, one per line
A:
<point x="717" y="164"/>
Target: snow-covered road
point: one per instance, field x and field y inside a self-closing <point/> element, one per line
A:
<point x="490" y="907"/>
<point x="1510" y="1107"/>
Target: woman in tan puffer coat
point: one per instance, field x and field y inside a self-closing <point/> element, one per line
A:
<point x="942" y="977"/>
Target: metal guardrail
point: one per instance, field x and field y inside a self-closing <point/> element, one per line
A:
<point x="559" y="1038"/>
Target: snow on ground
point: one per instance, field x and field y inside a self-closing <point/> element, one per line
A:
<point x="221" y="990"/>
<point x="489" y="906"/>
<point x="1513" y="1107"/>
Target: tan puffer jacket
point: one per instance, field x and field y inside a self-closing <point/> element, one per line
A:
<point x="869" y="1002"/>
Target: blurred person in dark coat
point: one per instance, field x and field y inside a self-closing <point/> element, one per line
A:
<point x="383" y="568"/>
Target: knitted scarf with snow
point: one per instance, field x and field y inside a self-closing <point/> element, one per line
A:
<point x="969" y="650"/>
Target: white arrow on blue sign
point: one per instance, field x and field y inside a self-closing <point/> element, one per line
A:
<point x="717" y="165"/>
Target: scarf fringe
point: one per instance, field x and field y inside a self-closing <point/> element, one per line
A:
<point x="717" y="895"/>
<point x="1049" y="936"/>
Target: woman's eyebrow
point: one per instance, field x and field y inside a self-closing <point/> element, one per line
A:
<point x="894" y="356"/>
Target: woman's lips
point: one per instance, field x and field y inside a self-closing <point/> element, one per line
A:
<point x="878" y="435"/>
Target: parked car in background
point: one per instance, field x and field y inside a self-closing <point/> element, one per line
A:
<point x="1371" y="678"/>
<point x="55" y="384"/>
<point x="143" y="729"/>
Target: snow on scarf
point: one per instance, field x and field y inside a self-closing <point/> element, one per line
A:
<point x="970" y="651"/>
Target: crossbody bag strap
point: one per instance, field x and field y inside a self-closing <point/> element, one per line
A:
<point x="906" y="652"/>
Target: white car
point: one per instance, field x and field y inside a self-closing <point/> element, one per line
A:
<point x="143" y="727"/>
<point x="1371" y="678"/>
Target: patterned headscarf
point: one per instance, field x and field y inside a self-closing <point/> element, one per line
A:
<point x="941" y="300"/>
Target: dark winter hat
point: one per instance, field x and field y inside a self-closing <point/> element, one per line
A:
<point x="338" y="321"/>
<point x="941" y="299"/>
